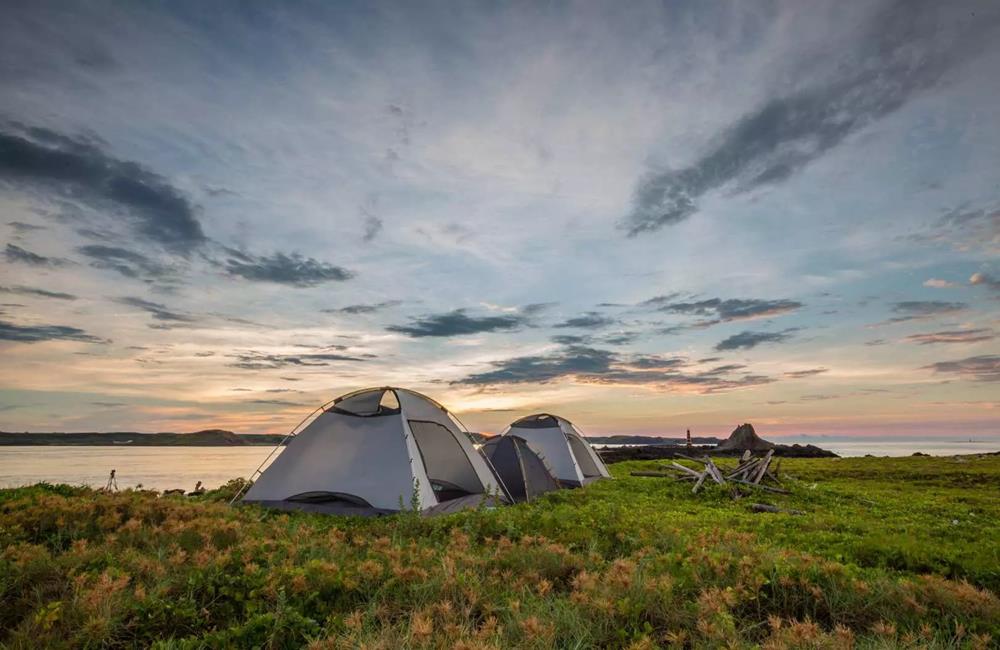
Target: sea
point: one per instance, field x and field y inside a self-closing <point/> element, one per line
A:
<point x="167" y="468"/>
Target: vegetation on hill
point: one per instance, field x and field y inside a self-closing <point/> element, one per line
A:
<point x="890" y="553"/>
<point x="206" y="438"/>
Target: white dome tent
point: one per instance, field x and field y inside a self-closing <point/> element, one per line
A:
<point x="573" y="461"/>
<point x="375" y="451"/>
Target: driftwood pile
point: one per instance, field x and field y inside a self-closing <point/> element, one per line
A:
<point x="752" y="472"/>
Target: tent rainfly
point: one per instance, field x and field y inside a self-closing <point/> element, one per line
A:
<point x="573" y="461"/>
<point x="521" y="471"/>
<point x="376" y="451"/>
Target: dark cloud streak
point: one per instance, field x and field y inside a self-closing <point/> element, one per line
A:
<point x="907" y="49"/>
<point x="80" y="169"/>
<point x="290" y="269"/>
<point x="458" y="323"/>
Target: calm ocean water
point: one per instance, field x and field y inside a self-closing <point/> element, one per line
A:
<point x="164" y="468"/>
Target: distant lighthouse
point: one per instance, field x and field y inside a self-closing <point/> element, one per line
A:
<point x="689" y="438"/>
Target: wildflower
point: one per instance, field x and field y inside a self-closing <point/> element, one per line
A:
<point x="421" y="626"/>
<point x="355" y="620"/>
<point x="370" y="569"/>
<point x="884" y="628"/>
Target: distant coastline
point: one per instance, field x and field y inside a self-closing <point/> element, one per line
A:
<point x="223" y="438"/>
<point x="207" y="438"/>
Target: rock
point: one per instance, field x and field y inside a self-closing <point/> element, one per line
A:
<point x="744" y="437"/>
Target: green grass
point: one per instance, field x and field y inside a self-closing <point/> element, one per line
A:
<point x="890" y="553"/>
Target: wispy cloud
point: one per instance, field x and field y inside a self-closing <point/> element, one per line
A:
<point x="910" y="310"/>
<point x="156" y="310"/>
<point x="290" y="269"/>
<point x="126" y="262"/>
<point x="590" y="320"/>
<point x="906" y="50"/>
<point x="16" y="254"/>
<point x="369" y="308"/>
<point x="980" y="368"/>
<point x="79" y="169"/>
<point x="936" y="283"/>
<point x="747" y="340"/>
<point x="952" y="336"/>
<point x="572" y="361"/>
<point x="725" y="310"/>
<point x="22" y="228"/>
<point x="39" y="333"/>
<point x="41" y="293"/>
<point x="810" y="372"/>
<point x="458" y="323"/>
<point x="264" y="361"/>
<point x="588" y="365"/>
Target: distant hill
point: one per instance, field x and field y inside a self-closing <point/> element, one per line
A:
<point x="632" y="440"/>
<point x="206" y="438"/>
<point x="649" y="440"/>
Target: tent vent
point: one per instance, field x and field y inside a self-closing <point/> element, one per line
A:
<point x="329" y="497"/>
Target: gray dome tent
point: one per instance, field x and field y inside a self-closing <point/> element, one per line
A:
<point x="520" y="470"/>
<point x="375" y="451"/>
<point x="573" y="461"/>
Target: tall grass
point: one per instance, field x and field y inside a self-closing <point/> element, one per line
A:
<point x="892" y="553"/>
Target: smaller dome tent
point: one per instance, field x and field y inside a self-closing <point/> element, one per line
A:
<point x="520" y="470"/>
<point x="374" y="451"/>
<point x="573" y="461"/>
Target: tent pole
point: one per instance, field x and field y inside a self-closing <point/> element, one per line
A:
<point x="257" y="472"/>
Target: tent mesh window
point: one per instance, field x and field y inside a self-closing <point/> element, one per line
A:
<point x="371" y="403"/>
<point x="449" y="470"/>
<point x="542" y="421"/>
<point x="583" y="459"/>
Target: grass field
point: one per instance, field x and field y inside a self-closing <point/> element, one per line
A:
<point x="890" y="553"/>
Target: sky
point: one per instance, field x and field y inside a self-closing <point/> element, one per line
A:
<point x="645" y="217"/>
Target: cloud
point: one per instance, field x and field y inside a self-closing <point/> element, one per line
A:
<point x="534" y="308"/>
<point x="16" y="254"/>
<point x="570" y="339"/>
<point x="953" y="336"/>
<point x="370" y="308"/>
<point x="588" y="365"/>
<point x="730" y="309"/>
<point x="262" y="361"/>
<point x="935" y="283"/>
<point x="922" y="309"/>
<point x="747" y="340"/>
<point x="650" y="361"/>
<point x="964" y="228"/>
<point x="621" y="338"/>
<point x="590" y="320"/>
<point x="156" y="310"/>
<point x="801" y="374"/>
<point x="281" y="268"/>
<point x="372" y="225"/>
<point x="273" y="402"/>
<point x="126" y="262"/>
<point x="573" y="360"/>
<point x="457" y="323"/>
<point x="38" y="333"/>
<point x="79" y="169"/>
<point x="819" y="397"/>
<point x="21" y="228"/>
<point x="907" y="49"/>
<point x="981" y="368"/>
<point x="41" y="293"/>
<point x="985" y="280"/>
